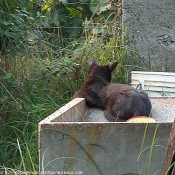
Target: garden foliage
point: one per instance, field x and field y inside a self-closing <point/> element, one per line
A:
<point x="45" y="50"/>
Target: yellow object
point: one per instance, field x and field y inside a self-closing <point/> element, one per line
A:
<point x="141" y="119"/>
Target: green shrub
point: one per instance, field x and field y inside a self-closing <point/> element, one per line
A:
<point x="46" y="48"/>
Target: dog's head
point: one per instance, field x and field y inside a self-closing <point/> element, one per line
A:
<point x="103" y="72"/>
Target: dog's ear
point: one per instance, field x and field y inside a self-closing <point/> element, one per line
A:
<point x="113" y="65"/>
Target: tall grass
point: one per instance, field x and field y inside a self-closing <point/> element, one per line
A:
<point x="26" y="99"/>
<point x="35" y="85"/>
<point x="148" y="152"/>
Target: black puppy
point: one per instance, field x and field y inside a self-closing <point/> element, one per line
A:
<point x="120" y="100"/>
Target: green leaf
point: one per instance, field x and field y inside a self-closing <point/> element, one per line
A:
<point x="15" y="29"/>
<point x="63" y="1"/>
<point x="47" y="5"/>
<point x="17" y="19"/>
<point x="15" y="36"/>
<point x="75" y="22"/>
<point x="98" y="29"/>
<point x="7" y="76"/>
<point x="96" y="6"/>
<point x="68" y="84"/>
<point x="74" y="32"/>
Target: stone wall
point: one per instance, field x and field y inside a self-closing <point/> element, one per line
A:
<point x="151" y="33"/>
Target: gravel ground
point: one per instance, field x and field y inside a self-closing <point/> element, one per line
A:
<point x="163" y="110"/>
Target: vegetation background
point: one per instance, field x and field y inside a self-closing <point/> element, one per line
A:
<point x="45" y="50"/>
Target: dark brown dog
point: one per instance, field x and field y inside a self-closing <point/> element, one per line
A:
<point x="120" y="100"/>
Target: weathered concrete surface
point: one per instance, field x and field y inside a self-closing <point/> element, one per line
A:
<point x="95" y="115"/>
<point x="151" y="28"/>
<point x="71" y="112"/>
<point x="102" y="148"/>
<point x="163" y="109"/>
<point x="99" y="147"/>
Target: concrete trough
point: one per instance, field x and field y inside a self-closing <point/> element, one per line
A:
<point x="78" y="140"/>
